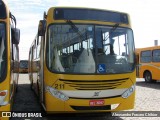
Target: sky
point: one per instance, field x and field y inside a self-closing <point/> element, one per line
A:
<point x="145" y="17"/>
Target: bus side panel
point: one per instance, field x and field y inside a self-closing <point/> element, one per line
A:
<point x="155" y="70"/>
<point x="152" y="69"/>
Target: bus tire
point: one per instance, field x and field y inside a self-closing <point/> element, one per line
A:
<point x="16" y="88"/>
<point x="38" y="93"/>
<point x="31" y="85"/>
<point x="17" y="84"/>
<point x="148" y="77"/>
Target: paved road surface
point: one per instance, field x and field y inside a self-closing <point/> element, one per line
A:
<point x="147" y="99"/>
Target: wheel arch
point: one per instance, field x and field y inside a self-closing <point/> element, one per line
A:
<point x="145" y="72"/>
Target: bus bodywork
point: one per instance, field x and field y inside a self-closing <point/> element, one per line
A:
<point x="9" y="57"/>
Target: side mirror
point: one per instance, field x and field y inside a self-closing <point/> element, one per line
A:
<point x="41" y="28"/>
<point x="15" y="35"/>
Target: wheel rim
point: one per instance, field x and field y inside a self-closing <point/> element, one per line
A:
<point x="148" y="77"/>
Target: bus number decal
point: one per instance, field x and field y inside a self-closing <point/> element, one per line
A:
<point x="59" y="86"/>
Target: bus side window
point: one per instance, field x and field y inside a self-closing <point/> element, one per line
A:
<point x="2" y="56"/>
<point x="38" y="46"/>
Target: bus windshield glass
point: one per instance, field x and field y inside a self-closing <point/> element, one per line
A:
<point x="3" y="13"/>
<point x="90" y="49"/>
<point x="2" y="51"/>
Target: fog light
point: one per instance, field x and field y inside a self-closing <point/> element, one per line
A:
<point x="57" y="93"/>
<point x="3" y="95"/>
<point x="128" y="92"/>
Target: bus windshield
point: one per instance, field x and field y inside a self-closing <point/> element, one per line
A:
<point x="2" y="51"/>
<point x="78" y="48"/>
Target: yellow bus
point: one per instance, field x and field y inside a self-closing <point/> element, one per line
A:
<point x="83" y="60"/>
<point x="148" y="63"/>
<point x="9" y="57"/>
<point x="23" y="66"/>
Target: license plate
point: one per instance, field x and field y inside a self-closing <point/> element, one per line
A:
<point x="96" y="102"/>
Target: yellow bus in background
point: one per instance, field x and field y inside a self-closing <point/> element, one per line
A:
<point x="83" y="60"/>
<point x="148" y="63"/>
<point x="9" y="57"/>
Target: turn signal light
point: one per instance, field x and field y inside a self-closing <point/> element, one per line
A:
<point x="3" y="93"/>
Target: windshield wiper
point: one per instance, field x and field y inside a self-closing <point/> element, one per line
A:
<point x="75" y="29"/>
<point x="111" y="31"/>
<point x="114" y="27"/>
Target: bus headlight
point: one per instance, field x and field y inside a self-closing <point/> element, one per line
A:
<point x="3" y="95"/>
<point x="128" y="92"/>
<point x="57" y="93"/>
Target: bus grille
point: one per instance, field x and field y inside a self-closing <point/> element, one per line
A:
<point x="107" y="107"/>
<point x="94" y="84"/>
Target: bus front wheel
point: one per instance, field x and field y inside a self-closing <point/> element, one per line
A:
<point x="148" y="77"/>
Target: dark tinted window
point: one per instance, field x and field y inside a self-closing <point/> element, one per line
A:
<point x="2" y="10"/>
<point x="146" y="56"/>
<point x="156" y="56"/>
<point x="3" y="57"/>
